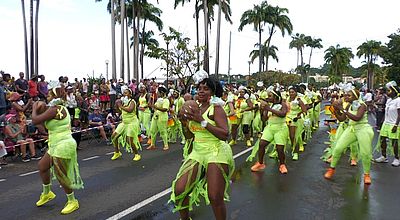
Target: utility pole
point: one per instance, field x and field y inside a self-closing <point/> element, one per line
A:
<point x="218" y="39"/>
<point x="229" y="57"/>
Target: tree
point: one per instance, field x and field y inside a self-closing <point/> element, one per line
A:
<point x="110" y="9"/>
<point x="32" y="38"/>
<point x="272" y="52"/>
<point x="37" y="38"/>
<point x="25" y="40"/>
<point x="391" y="56"/>
<point x="209" y="10"/>
<point x="255" y="17"/>
<point x="313" y="43"/>
<point x="298" y="42"/>
<point x="277" y="19"/>
<point x="339" y="60"/>
<point x="370" y="50"/>
<point x="180" y="58"/>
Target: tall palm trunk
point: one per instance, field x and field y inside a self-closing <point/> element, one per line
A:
<point x="297" y="62"/>
<point x="134" y="38"/>
<point x="218" y="39"/>
<point x="25" y="41"/>
<point x="197" y="35"/>
<point x="136" y="45"/>
<point x="122" y="54"/>
<point x="206" y="66"/>
<point x="142" y="49"/>
<point x="309" y="59"/>
<point x="260" y="52"/>
<point x="36" y="38"/>
<point x="268" y="44"/>
<point x="113" y="60"/>
<point x="127" y="49"/>
<point x="32" y="52"/>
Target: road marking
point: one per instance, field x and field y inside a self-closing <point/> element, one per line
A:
<point x="26" y="174"/>
<point x="90" y="158"/>
<point x="157" y="196"/>
<point x="110" y="153"/>
<point x="2" y="180"/>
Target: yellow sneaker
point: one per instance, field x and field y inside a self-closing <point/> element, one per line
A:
<point x="45" y="198"/>
<point x="70" y="207"/>
<point x="248" y="143"/>
<point x="232" y="142"/>
<point x="301" y="148"/>
<point x="166" y="148"/>
<point x="116" y="155"/>
<point x="137" y="157"/>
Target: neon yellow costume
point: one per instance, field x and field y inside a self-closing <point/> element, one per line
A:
<point x="62" y="148"/>
<point x="144" y="115"/>
<point x="129" y="127"/>
<point x="206" y="149"/>
<point x="159" y="123"/>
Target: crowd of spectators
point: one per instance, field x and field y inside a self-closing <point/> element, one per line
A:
<point x="90" y="103"/>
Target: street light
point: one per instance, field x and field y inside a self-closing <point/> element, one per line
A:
<point x="107" y="62"/>
<point x="167" y="42"/>
<point x="249" y="68"/>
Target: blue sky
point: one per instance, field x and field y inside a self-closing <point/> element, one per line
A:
<point x="74" y="35"/>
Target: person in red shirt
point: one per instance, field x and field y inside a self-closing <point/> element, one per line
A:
<point x="33" y="87"/>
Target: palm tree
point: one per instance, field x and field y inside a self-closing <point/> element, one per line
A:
<point x="313" y="43"/>
<point x="256" y="17"/>
<point x="371" y="51"/>
<point x="339" y="60"/>
<point x="272" y="53"/>
<point x="298" y="42"/>
<point x="153" y="14"/>
<point x="32" y="51"/>
<point x="199" y="5"/>
<point x="277" y="18"/>
<point x="25" y="41"/>
<point x="122" y="54"/>
<point x="36" y="38"/>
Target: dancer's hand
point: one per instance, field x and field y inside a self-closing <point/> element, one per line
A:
<point x="394" y="129"/>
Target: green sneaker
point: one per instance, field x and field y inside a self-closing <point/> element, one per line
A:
<point x="45" y="198"/>
<point x="70" y="207"/>
<point x="116" y="155"/>
<point x="295" y="156"/>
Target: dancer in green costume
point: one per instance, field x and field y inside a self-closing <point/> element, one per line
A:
<point x="276" y="130"/>
<point x="159" y="122"/>
<point x="144" y="111"/>
<point x="126" y="134"/>
<point x="357" y="130"/>
<point x="295" y="122"/>
<point x="176" y="129"/>
<point x="206" y="172"/>
<point x="61" y="158"/>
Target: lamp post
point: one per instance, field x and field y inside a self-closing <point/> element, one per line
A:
<point x="107" y="62"/>
<point x="249" y="72"/>
<point x="167" y="42"/>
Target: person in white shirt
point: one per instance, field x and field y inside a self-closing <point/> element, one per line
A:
<point x="71" y="101"/>
<point x="112" y="92"/>
<point x="85" y="86"/>
<point x="368" y="100"/>
<point x="390" y="125"/>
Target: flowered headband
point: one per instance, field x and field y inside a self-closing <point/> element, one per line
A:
<point x="392" y="85"/>
<point x="199" y="76"/>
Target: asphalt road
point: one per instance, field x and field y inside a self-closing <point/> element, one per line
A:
<point x="114" y="186"/>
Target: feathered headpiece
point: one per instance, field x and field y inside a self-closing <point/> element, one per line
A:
<point x="199" y="76"/>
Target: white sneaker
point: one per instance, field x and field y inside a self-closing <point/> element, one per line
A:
<point x="396" y="162"/>
<point x="381" y="159"/>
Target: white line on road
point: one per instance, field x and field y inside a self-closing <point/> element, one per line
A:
<point x="110" y="153"/>
<point x="90" y="158"/>
<point x="2" y="180"/>
<point x="26" y="174"/>
<point x="157" y="196"/>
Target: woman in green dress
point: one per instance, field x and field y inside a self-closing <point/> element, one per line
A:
<point x="159" y="122"/>
<point x="61" y="158"/>
<point x="207" y="170"/>
<point x="126" y="134"/>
